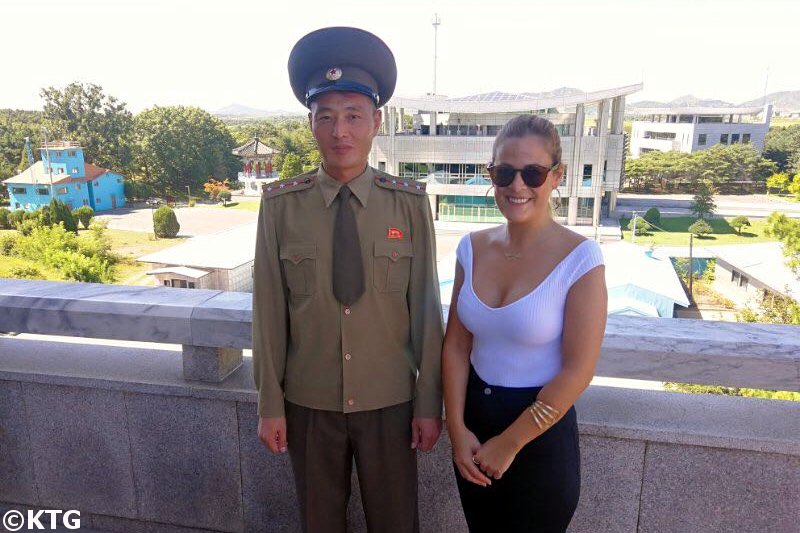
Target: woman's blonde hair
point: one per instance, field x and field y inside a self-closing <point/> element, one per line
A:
<point x="524" y="125"/>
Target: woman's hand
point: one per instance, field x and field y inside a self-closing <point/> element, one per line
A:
<point x="465" y="446"/>
<point x="495" y="455"/>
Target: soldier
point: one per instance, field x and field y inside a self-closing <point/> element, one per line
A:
<point x="347" y="328"/>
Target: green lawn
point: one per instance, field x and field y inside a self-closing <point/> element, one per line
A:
<point x="676" y="232"/>
<point x="247" y="205"/>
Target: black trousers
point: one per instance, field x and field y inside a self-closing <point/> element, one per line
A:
<point x="323" y="445"/>
<point x="539" y="491"/>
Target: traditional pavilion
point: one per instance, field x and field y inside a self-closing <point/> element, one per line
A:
<point x="256" y="165"/>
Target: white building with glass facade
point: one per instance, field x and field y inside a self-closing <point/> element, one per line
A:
<point x="691" y="129"/>
<point x="447" y="142"/>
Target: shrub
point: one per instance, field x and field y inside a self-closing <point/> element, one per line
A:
<point x="700" y="228"/>
<point x="225" y="196"/>
<point x="5" y="213"/>
<point x="25" y="272"/>
<point x="7" y="244"/>
<point x="642" y="226"/>
<point x="165" y="223"/>
<point x="84" y="214"/>
<point x="739" y="222"/>
<point x="59" y="212"/>
<point x="27" y="226"/>
<point x="192" y="202"/>
<point x="16" y="217"/>
<point x="43" y="214"/>
<point x="653" y="216"/>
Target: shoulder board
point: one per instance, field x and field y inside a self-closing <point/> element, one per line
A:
<point x="277" y="188"/>
<point x="400" y="184"/>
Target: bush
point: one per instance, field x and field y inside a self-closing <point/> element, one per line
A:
<point x="5" y="213"/>
<point x="59" y="212"/>
<point x="84" y="214"/>
<point x="225" y="196"/>
<point x="653" y="216"/>
<point x="7" y="244"/>
<point x="43" y="214"/>
<point x="16" y="217"/>
<point x="28" y="226"/>
<point x="739" y="222"/>
<point x="642" y="226"/>
<point x="165" y="223"/>
<point x="192" y="201"/>
<point x="25" y="272"/>
<point x="700" y="228"/>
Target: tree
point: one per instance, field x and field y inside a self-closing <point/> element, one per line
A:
<point x="653" y="216"/>
<point x="740" y="222"/>
<point x="782" y="145"/>
<point x="703" y="202"/>
<point x="292" y="166"/>
<point x="165" y="223"/>
<point x="214" y="188"/>
<point x="180" y="146"/>
<point x="642" y="226"/>
<point x="60" y="213"/>
<point x="786" y="230"/>
<point x="85" y="214"/>
<point x="778" y="181"/>
<point x="773" y="309"/>
<point x="225" y="196"/>
<point x="99" y="122"/>
<point x="738" y="162"/>
<point x="700" y="228"/>
<point x="794" y="186"/>
<point x="14" y="127"/>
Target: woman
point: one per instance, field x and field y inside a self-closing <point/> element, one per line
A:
<point x="526" y="322"/>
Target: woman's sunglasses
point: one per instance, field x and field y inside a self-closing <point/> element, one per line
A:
<point x="533" y="175"/>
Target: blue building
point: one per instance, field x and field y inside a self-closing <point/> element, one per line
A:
<point x="69" y="178"/>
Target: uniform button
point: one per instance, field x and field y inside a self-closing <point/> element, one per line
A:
<point x="350" y="402"/>
<point x="487" y="391"/>
<point x="296" y="258"/>
<point x="395" y="254"/>
<point x="347" y="356"/>
<point x="347" y="310"/>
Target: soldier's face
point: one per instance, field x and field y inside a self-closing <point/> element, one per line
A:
<point x="344" y="125"/>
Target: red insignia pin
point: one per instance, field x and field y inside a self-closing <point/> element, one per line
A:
<point x="394" y="234"/>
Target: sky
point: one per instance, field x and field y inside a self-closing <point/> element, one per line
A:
<point x="214" y="53"/>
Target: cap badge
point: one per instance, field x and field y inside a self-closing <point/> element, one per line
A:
<point x="333" y="73"/>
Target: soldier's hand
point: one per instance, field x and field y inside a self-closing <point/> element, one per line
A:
<point x="272" y="432"/>
<point x="425" y="432"/>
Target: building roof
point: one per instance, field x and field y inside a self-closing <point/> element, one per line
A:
<point x="500" y="102"/>
<point x="36" y="174"/>
<point x="254" y="148"/>
<point x="763" y="261"/>
<point x="629" y="264"/>
<point x="195" y="273"/>
<point x="93" y="171"/>
<point x="62" y="145"/>
<point x="706" y="111"/>
<point x="224" y="250"/>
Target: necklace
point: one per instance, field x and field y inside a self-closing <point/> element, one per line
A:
<point x="513" y="256"/>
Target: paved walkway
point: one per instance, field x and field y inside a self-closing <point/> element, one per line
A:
<point x="753" y="205"/>
<point x="193" y="220"/>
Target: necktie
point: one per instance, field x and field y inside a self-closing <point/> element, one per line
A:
<point x="348" y="267"/>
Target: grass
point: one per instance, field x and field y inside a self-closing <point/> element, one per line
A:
<point x="246" y="205"/>
<point x="676" y="232"/>
<point x="127" y="244"/>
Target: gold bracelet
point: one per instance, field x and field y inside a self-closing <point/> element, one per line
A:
<point x="543" y="415"/>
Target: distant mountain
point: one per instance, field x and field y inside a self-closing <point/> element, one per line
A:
<point x="783" y="101"/>
<point x="239" y="110"/>
<point x="556" y="93"/>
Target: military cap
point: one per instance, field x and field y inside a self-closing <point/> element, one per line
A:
<point x="342" y="59"/>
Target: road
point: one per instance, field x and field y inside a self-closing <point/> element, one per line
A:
<point x="755" y="205"/>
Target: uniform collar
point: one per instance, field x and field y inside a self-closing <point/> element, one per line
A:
<point x="360" y="185"/>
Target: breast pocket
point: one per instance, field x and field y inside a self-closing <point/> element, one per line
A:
<point x="300" y="265"/>
<point x="392" y="265"/>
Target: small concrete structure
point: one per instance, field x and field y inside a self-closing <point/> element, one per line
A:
<point x="747" y="273"/>
<point x="116" y="431"/>
<point x="690" y="129"/>
<point x="221" y="261"/>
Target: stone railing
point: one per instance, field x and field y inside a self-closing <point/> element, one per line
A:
<point x="163" y="436"/>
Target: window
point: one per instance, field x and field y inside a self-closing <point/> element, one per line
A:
<point x="19" y="190"/>
<point x="85" y="201"/>
<point x="660" y="135"/>
<point x="77" y="186"/>
<point x="61" y="190"/>
<point x="96" y="183"/>
<point x="743" y="281"/>
<point x="58" y="154"/>
<point x="746" y="138"/>
<point x="16" y="205"/>
<point x="73" y="153"/>
<point x="97" y="199"/>
<point x="42" y="191"/>
<point x="723" y="139"/>
<point x="734" y="138"/>
<point x="74" y="170"/>
<point x="381" y="167"/>
<point x="119" y="180"/>
<point x="180" y="283"/>
<point x="686" y="119"/>
<point x="735" y="277"/>
<point x="701" y="139"/>
<point x="191" y="284"/>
